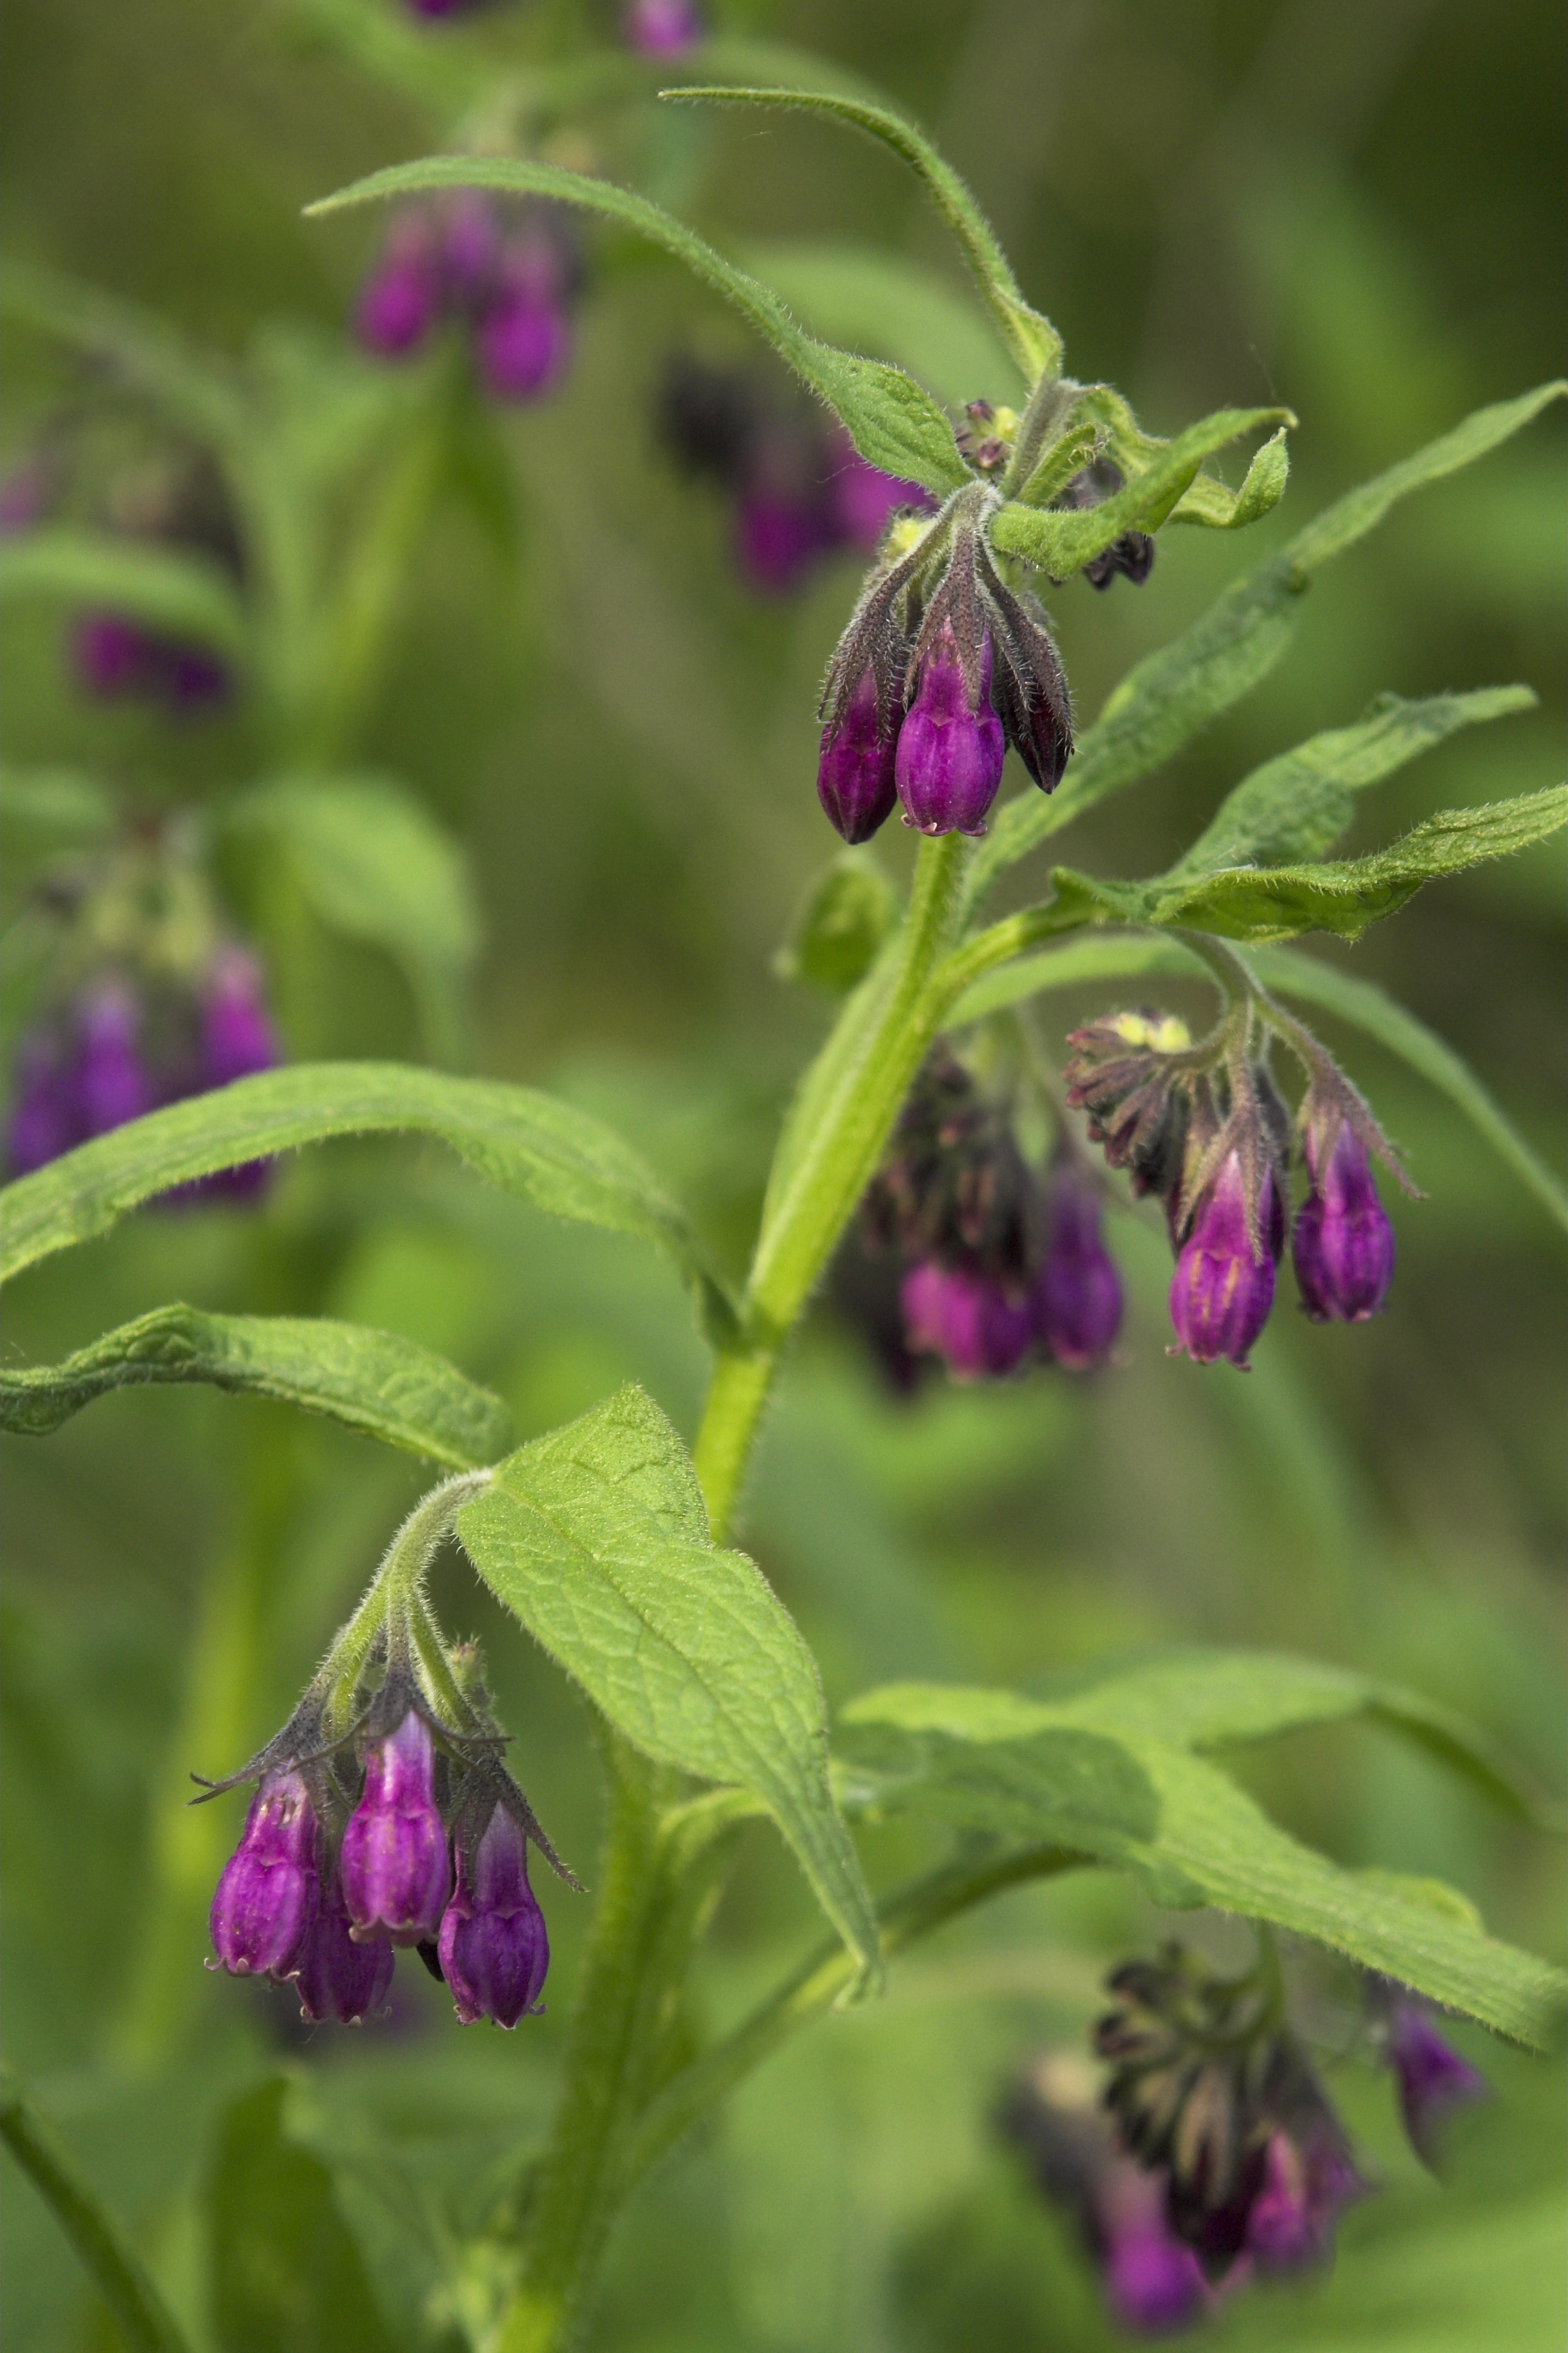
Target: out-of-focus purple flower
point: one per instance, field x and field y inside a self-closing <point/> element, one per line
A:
<point x="441" y="7"/>
<point x="45" y="1114"/>
<point x="1341" y="1243"/>
<point x="778" y="537"/>
<point x="399" y="301"/>
<point x="493" y="1949"/>
<point x="471" y="247"/>
<point x="113" y="1081"/>
<point x="396" y="1871"/>
<point x="27" y="492"/>
<point x="523" y="342"/>
<point x="1223" y="1287"/>
<point x="268" y="1889"/>
<point x="1433" y="2077"/>
<point x="662" y="28"/>
<point x="336" y="1976"/>
<point x="854" y="779"/>
<point x="1307" y="2177"/>
<point x="112" y="656"/>
<point x="862" y="499"/>
<point x="950" y="746"/>
<point x="969" y="1320"/>
<point x="238" y="1036"/>
<point x="1077" y="1292"/>
<point x="1153" y="2284"/>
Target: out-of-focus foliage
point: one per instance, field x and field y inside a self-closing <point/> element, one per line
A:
<point x="1353" y="212"/>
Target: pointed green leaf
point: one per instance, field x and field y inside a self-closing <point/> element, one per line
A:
<point x="1298" y="805"/>
<point x="376" y="1382"/>
<point x="891" y="421"/>
<point x="180" y="593"/>
<point x="526" y="1142"/>
<point x="1033" y="341"/>
<point x="597" y="1538"/>
<point x="993" y="1762"/>
<point x="1060" y="542"/>
<point x="1264" y="485"/>
<point x="1170" y="696"/>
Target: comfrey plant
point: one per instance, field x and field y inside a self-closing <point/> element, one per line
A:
<point x="382" y="1815"/>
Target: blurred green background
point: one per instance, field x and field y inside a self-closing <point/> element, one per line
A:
<point x="1353" y="210"/>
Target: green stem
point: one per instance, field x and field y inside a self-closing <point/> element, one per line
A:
<point x="395" y="1587"/>
<point x="143" y="2318"/>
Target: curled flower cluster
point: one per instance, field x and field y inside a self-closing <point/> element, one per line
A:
<point x="405" y="1832"/>
<point x="998" y="1266"/>
<point x="799" y="489"/>
<point x="1211" y="1139"/>
<point x="507" y="277"/>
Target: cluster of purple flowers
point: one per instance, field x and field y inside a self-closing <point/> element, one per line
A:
<point x="1214" y="1147"/>
<point x="799" y="489"/>
<point x="120" y="1046"/>
<point x="506" y="276"/>
<point x="411" y="1834"/>
<point x="997" y="1267"/>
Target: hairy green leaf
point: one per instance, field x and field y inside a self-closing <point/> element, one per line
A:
<point x="1095" y="1781"/>
<point x="1168" y="697"/>
<point x="1033" y="341"/>
<point x="892" y="422"/>
<point x="1263" y="486"/>
<point x="181" y="593"/>
<point x="597" y="1538"/>
<point x="376" y="1382"/>
<point x="523" y="1142"/>
<point x="1298" y="805"/>
<point x="896" y="309"/>
<point x="1060" y="541"/>
<point x="1341" y="895"/>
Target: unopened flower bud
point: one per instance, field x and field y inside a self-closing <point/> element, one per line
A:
<point x="399" y="301"/>
<point x="1433" y="2078"/>
<point x="396" y="1871"/>
<point x="266" y="1892"/>
<point x="855" y="775"/>
<point x="238" y="1036"/>
<point x="979" y="1329"/>
<point x="1341" y="1243"/>
<point x="337" y="1975"/>
<point x="524" y="339"/>
<point x="1223" y="1287"/>
<point x="493" y="1949"/>
<point x="1077" y="1293"/>
<point x="950" y="746"/>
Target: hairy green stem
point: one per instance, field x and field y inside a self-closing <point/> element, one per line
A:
<point x="395" y="1585"/>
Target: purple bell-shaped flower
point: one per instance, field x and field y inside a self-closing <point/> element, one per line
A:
<point x="1307" y="2176"/>
<point x="950" y="746"/>
<point x="1341" y="1243"/>
<point x="523" y="341"/>
<point x="854" y="779"/>
<point x="1433" y="2078"/>
<point x="493" y="1949"/>
<point x="396" y="1871"/>
<point x="1223" y="1287"/>
<point x="1078" y="1291"/>
<point x="336" y="1975"/>
<point x="972" y="1321"/>
<point x="662" y="28"/>
<point x="266" y="1893"/>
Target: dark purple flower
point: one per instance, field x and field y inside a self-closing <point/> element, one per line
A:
<point x="112" y="1082"/>
<point x="1153" y="2284"/>
<point x="855" y="781"/>
<point x="662" y="28"/>
<point x="266" y="1895"/>
<point x="778" y="537"/>
<point x="862" y="497"/>
<point x="192" y="679"/>
<point x="1433" y="2078"/>
<point x="238" y="1036"/>
<point x="972" y="1322"/>
<point x="493" y="1949"/>
<point x="1341" y="1243"/>
<point x="112" y="656"/>
<point x="1223" y="1287"/>
<point x="45" y="1118"/>
<point x="523" y="343"/>
<point x="336" y="1975"/>
<point x="950" y="746"/>
<point x="1307" y="2176"/>
<point x="396" y="1871"/>
<point x="1077" y="1292"/>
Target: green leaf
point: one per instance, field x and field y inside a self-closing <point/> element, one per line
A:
<point x="1341" y="895"/>
<point x="1032" y="340"/>
<point x="523" y="1142"/>
<point x="199" y="391"/>
<point x="835" y="938"/>
<point x="377" y="1382"/>
<point x="1171" y="695"/>
<point x="1298" y="805"/>
<point x="597" y="1538"/>
<point x="1209" y="502"/>
<point x="1059" y="542"/>
<point x="375" y="866"/>
<point x="1091" y="1778"/>
<point x="284" y="2271"/>
<point x="180" y="593"/>
<point x="891" y="421"/>
<point x="896" y="309"/>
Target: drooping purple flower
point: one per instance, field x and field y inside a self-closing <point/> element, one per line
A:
<point x="266" y="1892"/>
<point x="1223" y="1287"/>
<point x="778" y="537"/>
<point x="440" y="7"/>
<point x="973" y="1322"/>
<point x="1153" y="2284"/>
<point x="113" y="1081"/>
<point x="662" y="28"/>
<point x="1341" y="1243"/>
<point x="855" y="780"/>
<point x="862" y="497"/>
<point x="399" y="301"/>
<point x="523" y="338"/>
<point x="45" y="1118"/>
<point x="396" y="1871"/>
<point x="1307" y="2177"/>
<point x="1077" y="1295"/>
<point x="336" y="1975"/>
<point x="111" y="655"/>
<point x="238" y="1036"/>
<point x="470" y="247"/>
<point x="493" y="1949"/>
<point x="1433" y="2077"/>
<point x="951" y="747"/>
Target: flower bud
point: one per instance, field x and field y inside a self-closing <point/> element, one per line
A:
<point x="524" y="339"/>
<point x="1077" y="1300"/>
<point x="979" y="1329"/>
<point x="1433" y="2078"/>
<point x="396" y="1871"/>
<point x="950" y="746"/>
<point x="400" y="299"/>
<point x="1307" y="2176"/>
<point x="493" y="1949"/>
<point x="854" y="778"/>
<point x="112" y="1082"/>
<point x="266" y="1892"/>
<point x="1341" y="1243"/>
<point x="336" y="1976"/>
<point x="1223" y="1287"/>
<point x="662" y="28"/>
<point x="238" y="1036"/>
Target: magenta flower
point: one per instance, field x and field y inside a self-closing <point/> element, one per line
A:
<point x="1153" y="2284"/>
<point x="978" y="1328"/>
<point x="1307" y="2177"/>
<point x="1223" y="1287"/>
<point x="1341" y="1243"/>
<point x="493" y="1949"/>
<point x="266" y="1892"/>
<point x="950" y="746"/>
<point x="336" y="1975"/>
<point x="863" y="500"/>
<point x="396" y="1871"/>
<point x="523" y="341"/>
<point x="1077" y="1293"/>
<point x="1433" y="2078"/>
<point x="855" y="781"/>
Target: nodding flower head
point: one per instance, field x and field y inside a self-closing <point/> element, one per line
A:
<point x="338" y="1976"/>
<point x="266" y="1893"/>
<point x="855" y="775"/>
<point x="493" y="1949"/>
<point x="396" y="1871"/>
<point x="1222" y="1288"/>
<point x="524" y="340"/>
<point x="1341" y="1243"/>
<point x="1433" y="2078"/>
<point x="401" y="299"/>
<point x="1077" y="1295"/>
<point x="506" y="278"/>
<point x="950" y="746"/>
